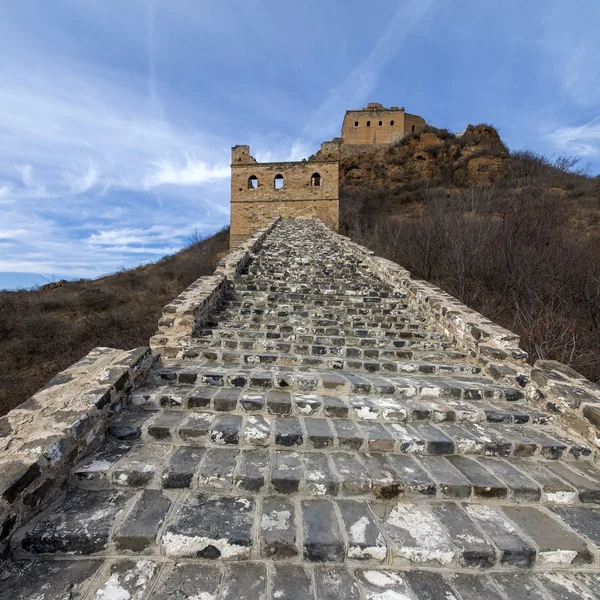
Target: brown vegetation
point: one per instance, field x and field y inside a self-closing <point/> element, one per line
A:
<point x="520" y="244"/>
<point x="46" y="330"/>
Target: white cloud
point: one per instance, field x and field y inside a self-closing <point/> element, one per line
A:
<point x="26" y="172"/>
<point x="193" y="172"/>
<point x="582" y="140"/>
<point x="82" y="181"/>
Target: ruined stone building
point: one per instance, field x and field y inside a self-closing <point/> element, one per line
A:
<point x="376" y="124"/>
<point x="262" y="191"/>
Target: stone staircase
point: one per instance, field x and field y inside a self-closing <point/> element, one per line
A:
<point x="317" y="439"/>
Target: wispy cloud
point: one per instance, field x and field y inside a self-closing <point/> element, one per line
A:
<point x="583" y="139"/>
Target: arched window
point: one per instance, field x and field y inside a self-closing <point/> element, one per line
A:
<point x="252" y="182"/>
<point x="278" y="182"/>
<point x="413" y="129"/>
<point x="315" y="180"/>
<point x="355" y="123"/>
<point x="380" y="123"/>
<point x="368" y="123"/>
<point x="391" y="122"/>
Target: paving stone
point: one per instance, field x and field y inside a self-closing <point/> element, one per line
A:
<point x="450" y="482"/>
<point x="201" y="398"/>
<point x="162" y="427"/>
<point x="322" y="541"/>
<point x="252" y="471"/>
<point x="196" y="427"/>
<point x="319" y="477"/>
<point x="514" y="549"/>
<point x="287" y="472"/>
<point x="252" y="401"/>
<point x="418" y="537"/>
<point x="226" y="399"/>
<point x="62" y="580"/>
<point x="278" y="529"/>
<point x="518" y="585"/>
<point x="334" y="407"/>
<point x="291" y="582"/>
<point x="381" y="585"/>
<point x="436" y="441"/>
<point x="139" y="467"/>
<point x="474" y="550"/>
<point x="218" y="467"/>
<point x="352" y="475"/>
<point x="563" y="587"/>
<point x="128" y="425"/>
<point x="80" y="525"/>
<point x="584" y="520"/>
<point x="279" y="403"/>
<point x="588" y="490"/>
<point x="474" y="587"/>
<point x="557" y="546"/>
<point x="319" y="432"/>
<point x="554" y="489"/>
<point x="257" y="430"/>
<point x="484" y="484"/>
<point x="245" y="581"/>
<point x="179" y="472"/>
<point x="408" y="440"/>
<point x="204" y="527"/>
<point x="365" y="540"/>
<point x="225" y="429"/>
<point x="186" y="581"/>
<point x="520" y="487"/>
<point x="378" y="438"/>
<point x="415" y="480"/>
<point x="307" y="404"/>
<point x="590" y="580"/>
<point x="384" y="479"/>
<point x="288" y="432"/>
<point x="347" y="434"/>
<point x="94" y="471"/>
<point x="430" y="586"/>
<point x="139" y="530"/>
<point x="333" y="583"/>
<point x="466" y="442"/>
<point x="549" y="447"/>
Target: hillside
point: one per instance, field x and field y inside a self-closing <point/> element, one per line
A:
<point x="46" y="330"/>
<point x="513" y="235"/>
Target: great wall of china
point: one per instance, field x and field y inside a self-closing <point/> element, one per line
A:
<point x="308" y="422"/>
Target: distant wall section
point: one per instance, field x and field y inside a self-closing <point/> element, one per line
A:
<point x="261" y="192"/>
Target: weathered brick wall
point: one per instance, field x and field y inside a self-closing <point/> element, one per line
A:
<point x="253" y="208"/>
<point x="378" y="125"/>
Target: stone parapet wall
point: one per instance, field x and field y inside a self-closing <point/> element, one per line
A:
<point x="190" y="309"/>
<point x="44" y="437"/>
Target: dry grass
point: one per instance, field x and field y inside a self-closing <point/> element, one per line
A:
<point x="46" y="330"/>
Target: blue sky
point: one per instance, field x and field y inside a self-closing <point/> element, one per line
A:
<point x="117" y="116"/>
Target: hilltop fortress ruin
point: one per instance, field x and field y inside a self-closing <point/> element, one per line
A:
<point x="308" y="188"/>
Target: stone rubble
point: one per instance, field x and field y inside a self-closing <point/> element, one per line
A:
<point x="322" y="426"/>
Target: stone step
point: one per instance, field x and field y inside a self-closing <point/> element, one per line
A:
<point x="384" y="409"/>
<point x="183" y="375"/>
<point x="367" y="309"/>
<point x="245" y="527"/>
<point x="321" y="297"/>
<point x="211" y="428"/>
<point x="250" y="580"/>
<point x="345" y="346"/>
<point x="309" y="334"/>
<point x="336" y="363"/>
<point x="210" y="349"/>
<point x="311" y="315"/>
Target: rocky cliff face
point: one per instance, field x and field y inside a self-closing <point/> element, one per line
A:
<point x="475" y="156"/>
